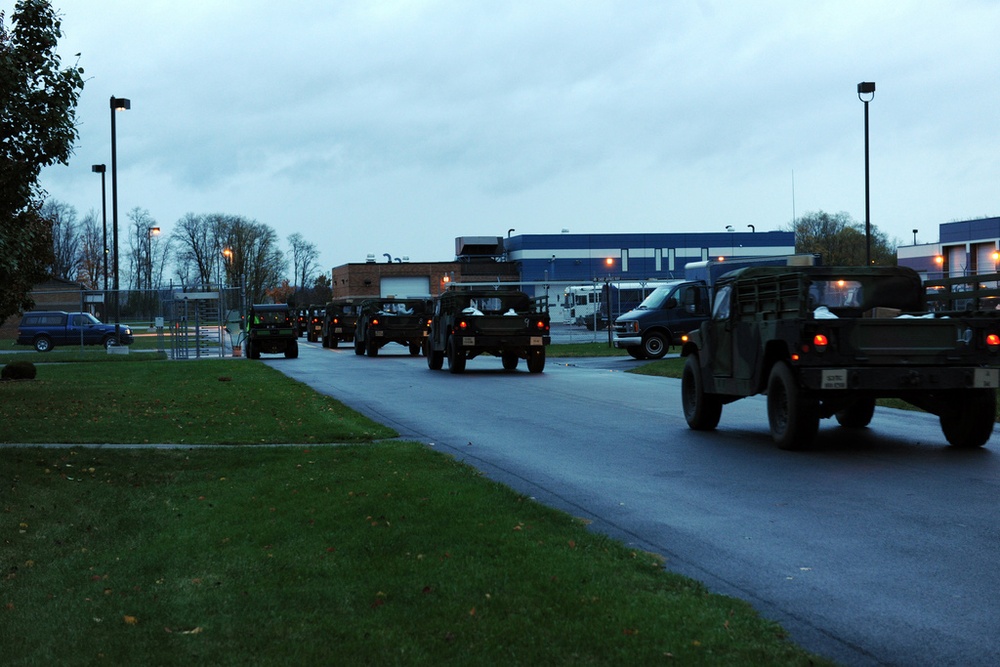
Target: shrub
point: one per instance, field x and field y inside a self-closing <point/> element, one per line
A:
<point x="18" y="370"/>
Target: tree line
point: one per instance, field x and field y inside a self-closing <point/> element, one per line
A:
<point x="204" y="251"/>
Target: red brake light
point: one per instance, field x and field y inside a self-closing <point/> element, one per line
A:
<point x="540" y="324"/>
<point x="820" y="342"/>
<point x="992" y="340"/>
<point x="375" y="321"/>
<point x="462" y="324"/>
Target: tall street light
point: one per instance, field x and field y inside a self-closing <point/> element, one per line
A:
<point x="150" y="233"/>
<point x="117" y="104"/>
<point x="867" y="88"/>
<point x="101" y="169"/>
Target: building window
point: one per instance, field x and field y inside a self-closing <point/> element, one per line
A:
<point x="624" y="260"/>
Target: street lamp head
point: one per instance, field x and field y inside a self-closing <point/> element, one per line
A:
<point x="866" y="88"/>
<point x="154" y="231"/>
<point x="609" y="261"/>
<point x="98" y="168"/>
<point x="120" y="103"/>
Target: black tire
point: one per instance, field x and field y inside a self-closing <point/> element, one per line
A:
<point x="702" y="411"/>
<point x="334" y="342"/>
<point x="793" y="418"/>
<point x="456" y="358"/>
<point x="292" y="350"/>
<point x="252" y="351"/>
<point x="858" y="414"/>
<point x="371" y="347"/>
<point x="43" y="344"/>
<point x="414" y="349"/>
<point x="109" y="341"/>
<point x="536" y="360"/>
<point x="635" y="351"/>
<point x="435" y="359"/>
<point x="326" y="341"/>
<point x="359" y="347"/>
<point x="970" y="423"/>
<point x="509" y="360"/>
<point x="655" y="345"/>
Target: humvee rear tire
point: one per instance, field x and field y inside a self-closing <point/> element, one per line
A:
<point x="857" y="415"/>
<point x="334" y="342"/>
<point x="509" y="360"/>
<point x="702" y="411"/>
<point x="359" y="347"/>
<point x="970" y="423"/>
<point x="292" y="351"/>
<point x="655" y="345"/>
<point x="414" y="349"/>
<point x="456" y="358"/>
<point x="536" y="360"/>
<point x="371" y="347"/>
<point x="326" y="341"/>
<point x="793" y="418"/>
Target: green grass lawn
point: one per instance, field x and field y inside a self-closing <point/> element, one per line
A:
<point x="373" y="553"/>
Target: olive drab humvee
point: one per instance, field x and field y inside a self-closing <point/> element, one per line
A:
<point x="271" y="329"/>
<point x="391" y="320"/>
<point x="468" y="323"/>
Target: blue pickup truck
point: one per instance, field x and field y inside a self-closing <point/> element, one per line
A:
<point x="46" y="329"/>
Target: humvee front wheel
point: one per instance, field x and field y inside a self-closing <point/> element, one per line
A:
<point x="536" y="360"/>
<point x="435" y="358"/>
<point x="793" y="418"/>
<point x="970" y="422"/>
<point x="858" y="414"/>
<point x="702" y="411"/>
<point x="456" y="358"/>
<point x="509" y="360"/>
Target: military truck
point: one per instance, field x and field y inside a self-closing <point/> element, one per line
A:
<point x="506" y="324"/>
<point x="340" y="318"/>
<point x="391" y="320"/>
<point x="271" y="329"/>
<point x="826" y="342"/>
<point x="314" y="323"/>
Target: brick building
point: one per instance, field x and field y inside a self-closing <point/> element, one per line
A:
<point x="405" y="279"/>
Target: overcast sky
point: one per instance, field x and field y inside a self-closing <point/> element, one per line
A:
<point x="393" y="127"/>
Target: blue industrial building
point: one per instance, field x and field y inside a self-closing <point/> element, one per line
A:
<point x="965" y="248"/>
<point x="584" y="258"/>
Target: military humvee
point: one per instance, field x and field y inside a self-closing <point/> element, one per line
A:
<point x="271" y="329"/>
<point x="340" y="318"/>
<point x="390" y="320"/>
<point x="506" y="324"/>
<point x="829" y="341"/>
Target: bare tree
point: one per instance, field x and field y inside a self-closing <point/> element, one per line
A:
<point x="65" y="238"/>
<point x="91" y="265"/>
<point x="201" y="247"/>
<point x="148" y="250"/>
<point x="304" y="256"/>
<point x="256" y="260"/>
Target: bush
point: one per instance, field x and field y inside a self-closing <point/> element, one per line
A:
<point x="18" y="370"/>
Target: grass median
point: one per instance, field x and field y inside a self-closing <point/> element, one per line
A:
<point x="372" y="553"/>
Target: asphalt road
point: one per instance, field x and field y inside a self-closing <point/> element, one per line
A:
<point x="875" y="547"/>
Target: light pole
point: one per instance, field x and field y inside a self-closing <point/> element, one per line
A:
<point x="117" y="104"/>
<point x="101" y="169"/>
<point x="867" y="88"/>
<point x="150" y="233"/>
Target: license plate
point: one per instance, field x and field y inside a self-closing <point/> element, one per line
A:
<point x="338" y="330"/>
<point x="536" y="340"/>
<point x="834" y="379"/>
<point x="378" y="334"/>
<point x="469" y="340"/>
<point x="986" y="378"/>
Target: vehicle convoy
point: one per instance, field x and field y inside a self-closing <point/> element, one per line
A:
<point x="829" y="341"/>
<point x="506" y="324"/>
<point x="46" y="329"/>
<point x="271" y="329"/>
<point x="340" y="318"/>
<point x="391" y="320"/>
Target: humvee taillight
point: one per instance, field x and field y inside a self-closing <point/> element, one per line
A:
<point x="992" y="340"/>
<point x="375" y="321"/>
<point x="820" y="342"/>
<point x="462" y="324"/>
<point x="540" y="324"/>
